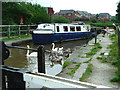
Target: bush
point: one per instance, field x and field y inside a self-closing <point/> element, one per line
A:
<point x="61" y="19"/>
<point x="94" y="21"/>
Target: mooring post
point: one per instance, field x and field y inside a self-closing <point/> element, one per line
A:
<point x="95" y="36"/>
<point x="41" y="59"/>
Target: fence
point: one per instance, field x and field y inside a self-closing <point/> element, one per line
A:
<point x="15" y="30"/>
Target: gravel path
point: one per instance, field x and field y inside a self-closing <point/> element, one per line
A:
<point x="102" y="72"/>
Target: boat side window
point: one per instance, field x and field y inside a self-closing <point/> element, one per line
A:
<point x="88" y="28"/>
<point x="58" y="30"/>
<point x="65" y="28"/>
<point x="78" y="28"/>
<point x="72" y="28"/>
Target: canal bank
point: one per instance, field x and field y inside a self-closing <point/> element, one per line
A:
<point x="101" y="73"/>
<point x="18" y="42"/>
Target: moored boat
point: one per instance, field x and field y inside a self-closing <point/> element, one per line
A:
<point x="56" y="32"/>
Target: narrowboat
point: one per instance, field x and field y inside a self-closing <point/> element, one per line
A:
<point x="47" y="33"/>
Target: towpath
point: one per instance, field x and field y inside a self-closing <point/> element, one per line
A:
<point x="102" y="73"/>
<point x="15" y="42"/>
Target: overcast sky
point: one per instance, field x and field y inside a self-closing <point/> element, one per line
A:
<point x="91" y="6"/>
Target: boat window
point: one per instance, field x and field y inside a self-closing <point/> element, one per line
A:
<point x="65" y="28"/>
<point x="78" y="28"/>
<point x="58" y="30"/>
<point x="72" y="28"/>
<point x="88" y="28"/>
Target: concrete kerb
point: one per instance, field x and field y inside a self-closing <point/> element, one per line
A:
<point x="18" y="42"/>
<point x="79" y="56"/>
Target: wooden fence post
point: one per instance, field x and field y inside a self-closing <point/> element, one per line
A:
<point x="19" y="30"/>
<point x="9" y="31"/>
<point x="28" y="29"/>
<point x="41" y="59"/>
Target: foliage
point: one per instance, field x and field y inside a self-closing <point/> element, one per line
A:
<point x="94" y="21"/>
<point x="31" y="13"/>
<point x="113" y="18"/>
<point x="118" y="12"/>
<point x="100" y="24"/>
<point x="114" y="54"/>
<point x="60" y="19"/>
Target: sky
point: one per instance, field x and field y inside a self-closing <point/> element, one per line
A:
<point x="91" y="6"/>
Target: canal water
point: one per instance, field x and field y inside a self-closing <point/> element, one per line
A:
<point x="19" y="59"/>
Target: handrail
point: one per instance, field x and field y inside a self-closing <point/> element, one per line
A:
<point x="24" y="48"/>
<point x="15" y="25"/>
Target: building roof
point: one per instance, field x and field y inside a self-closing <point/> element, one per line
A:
<point x="66" y="11"/>
<point x="104" y="14"/>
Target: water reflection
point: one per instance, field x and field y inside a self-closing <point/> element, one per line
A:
<point x="18" y="57"/>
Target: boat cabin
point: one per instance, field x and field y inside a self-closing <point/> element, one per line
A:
<point x="61" y="28"/>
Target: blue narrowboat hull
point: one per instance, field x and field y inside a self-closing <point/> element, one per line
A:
<point x="58" y="37"/>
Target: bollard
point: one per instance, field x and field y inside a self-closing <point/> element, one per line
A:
<point x="95" y="37"/>
<point x="41" y="59"/>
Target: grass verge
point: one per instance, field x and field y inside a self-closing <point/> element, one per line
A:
<point x="87" y="73"/>
<point x="66" y="63"/>
<point x="114" y="54"/>
<point x="16" y="38"/>
<point x="96" y="48"/>
<point x="104" y="59"/>
<point x="74" y="69"/>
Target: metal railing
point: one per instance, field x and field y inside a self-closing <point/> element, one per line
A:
<point x="8" y="73"/>
<point x="13" y="78"/>
<point x="15" y="30"/>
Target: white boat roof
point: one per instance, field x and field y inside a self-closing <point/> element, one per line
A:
<point x="59" y="24"/>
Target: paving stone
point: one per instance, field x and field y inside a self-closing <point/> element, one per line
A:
<point x="86" y="48"/>
<point x="83" y="55"/>
<point x="80" y="60"/>
<point x="80" y="71"/>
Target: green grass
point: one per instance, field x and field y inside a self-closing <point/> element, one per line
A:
<point x="114" y="54"/>
<point x="96" y="48"/>
<point x="16" y="38"/>
<point x="104" y="60"/>
<point x="66" y="63"/>
<point x="87" y="73"/>
<point x="74" y="69"/>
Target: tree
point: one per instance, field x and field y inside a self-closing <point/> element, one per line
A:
<point x="60" y="19"/>
<point x="97" y="16"/>
<point x="31" y="13"/>
<point x="118" y="12"/>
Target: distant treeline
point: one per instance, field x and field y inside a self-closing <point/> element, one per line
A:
<point x="31" y="13"/>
